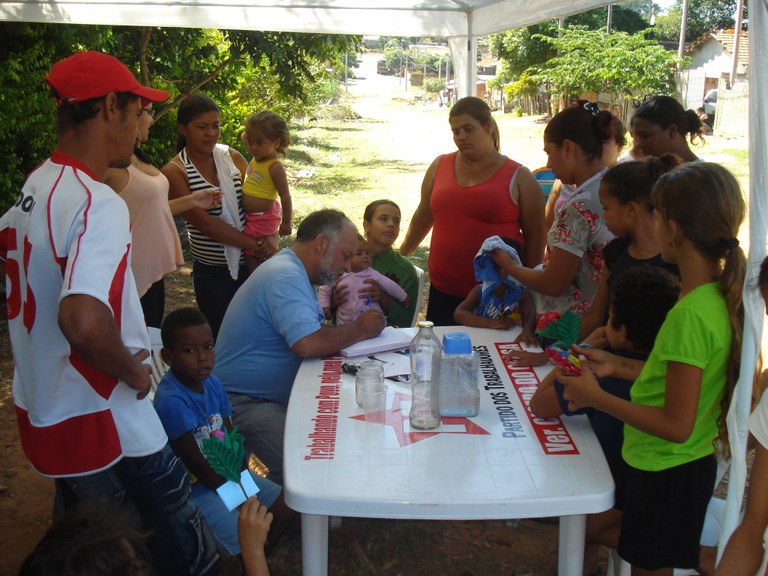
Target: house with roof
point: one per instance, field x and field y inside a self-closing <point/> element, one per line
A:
<point x="706" y="81"/>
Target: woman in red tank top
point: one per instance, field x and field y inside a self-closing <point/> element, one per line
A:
<point x="466" y="197"/>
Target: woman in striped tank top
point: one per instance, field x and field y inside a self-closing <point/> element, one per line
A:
<point x="216" y="239"/>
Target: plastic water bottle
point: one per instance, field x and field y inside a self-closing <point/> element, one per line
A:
<point x="425" y="375"/>
<point x="459" y="376"/>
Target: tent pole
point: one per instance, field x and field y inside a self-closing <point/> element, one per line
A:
<point x="471" y="58"/>
<point x="737" y="419"/>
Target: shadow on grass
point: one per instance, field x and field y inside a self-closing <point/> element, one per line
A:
<point x="332" y="184"/>
<point x="313" y="142"/>
<point x="337" y="177"/>
<point x="327" y="126"/>
<point x="393" y="165"/>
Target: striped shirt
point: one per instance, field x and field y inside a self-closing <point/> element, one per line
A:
<point x="204" y="249"/>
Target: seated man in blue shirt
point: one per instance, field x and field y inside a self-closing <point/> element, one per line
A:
<point x="275" y="320"/>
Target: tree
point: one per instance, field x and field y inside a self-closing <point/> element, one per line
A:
<point x="522" y="48"/>
<point x="242" y="71"/>
<point x="625" y="19"/>
<point x="619" y="63"/>
<point x="435" y="86"/>
<point x="645" y="8"/>
<point x="703" y="16"/>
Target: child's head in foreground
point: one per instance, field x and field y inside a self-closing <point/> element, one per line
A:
<point x="92" y="540"/>
<point x="188" y="345"/>
<point x="641" y="296"/>
<point x="361" y="257"/>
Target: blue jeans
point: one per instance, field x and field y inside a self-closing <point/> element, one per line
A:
<point x="214" y="290"/>
<point x="222" y="521"/>
<point x="263" y="424"/>
<point x="155" y="491"/>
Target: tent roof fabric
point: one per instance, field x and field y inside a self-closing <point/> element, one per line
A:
<point x="384" y="17"/>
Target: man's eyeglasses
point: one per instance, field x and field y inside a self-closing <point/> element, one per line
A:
<point x="150" y="112"/>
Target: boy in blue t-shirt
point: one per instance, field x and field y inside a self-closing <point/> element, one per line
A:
<point x="192" y="406"/>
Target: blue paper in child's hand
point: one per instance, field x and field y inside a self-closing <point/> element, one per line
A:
<point x="234" y="494"/>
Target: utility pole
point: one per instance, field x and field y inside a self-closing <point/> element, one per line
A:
<point x="736" y="41"/>
<point x="683" y="24"/>
<point x="610" y="18"/>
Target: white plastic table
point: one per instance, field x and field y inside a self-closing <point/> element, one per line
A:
<point x="504" y="463"/>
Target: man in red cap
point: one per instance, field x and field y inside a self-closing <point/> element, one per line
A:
<point x="76" y="325"/>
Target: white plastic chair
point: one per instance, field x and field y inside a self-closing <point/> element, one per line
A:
<point x="419" y="295"/>
<point x="159" y="368"/>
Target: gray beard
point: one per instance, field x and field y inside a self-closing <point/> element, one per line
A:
<point x="327" y="274"/>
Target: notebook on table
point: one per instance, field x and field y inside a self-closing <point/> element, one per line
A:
<point x="389" y="339"/>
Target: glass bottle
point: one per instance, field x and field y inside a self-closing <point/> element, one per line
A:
<point x="425" y="374"/>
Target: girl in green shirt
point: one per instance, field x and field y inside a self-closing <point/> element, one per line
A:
<point x="681" y="394"/>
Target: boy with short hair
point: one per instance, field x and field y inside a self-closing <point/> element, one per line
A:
<point x="192" y="406"/>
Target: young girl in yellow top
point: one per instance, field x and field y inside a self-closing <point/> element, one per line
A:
<point x="266" y="137"/>
<point x="681" y="394"/>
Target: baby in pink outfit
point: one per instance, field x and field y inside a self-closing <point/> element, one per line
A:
<point x="361" y="276"/>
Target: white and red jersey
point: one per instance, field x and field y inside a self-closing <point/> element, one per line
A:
<point x="70" y="234"/>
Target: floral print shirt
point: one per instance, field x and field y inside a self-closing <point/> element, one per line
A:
<point x="578" y="228"/>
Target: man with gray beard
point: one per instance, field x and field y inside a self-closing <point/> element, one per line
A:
<point x="275" y="320"/>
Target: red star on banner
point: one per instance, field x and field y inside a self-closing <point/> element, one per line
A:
<point x="396" y="418"/>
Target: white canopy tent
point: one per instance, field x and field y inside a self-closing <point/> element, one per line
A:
<point x="461" y="21"/>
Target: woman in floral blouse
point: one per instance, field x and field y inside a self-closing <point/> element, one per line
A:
<point x="573" y="263"/>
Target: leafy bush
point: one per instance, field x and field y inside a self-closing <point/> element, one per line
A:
<point x="434" y="85"/>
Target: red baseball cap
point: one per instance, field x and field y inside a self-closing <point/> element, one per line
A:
<point x="88" y="75"/>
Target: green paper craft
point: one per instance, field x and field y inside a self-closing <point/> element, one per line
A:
<point x="565" y="331"/>
<point x="226" y="456"/>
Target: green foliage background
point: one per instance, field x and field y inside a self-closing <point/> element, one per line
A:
<point x="288" y="73"/>
<point x="594" y="60"/>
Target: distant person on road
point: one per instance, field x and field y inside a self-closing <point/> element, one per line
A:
<point x="661" y="126"/>
<point x="706" y="127"/>
<point x="466" y="197"/>
<point x="275" y="321"/>
<point x="635" y="152"/>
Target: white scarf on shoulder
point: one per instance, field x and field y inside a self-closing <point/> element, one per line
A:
<point x="230" y="208"/>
